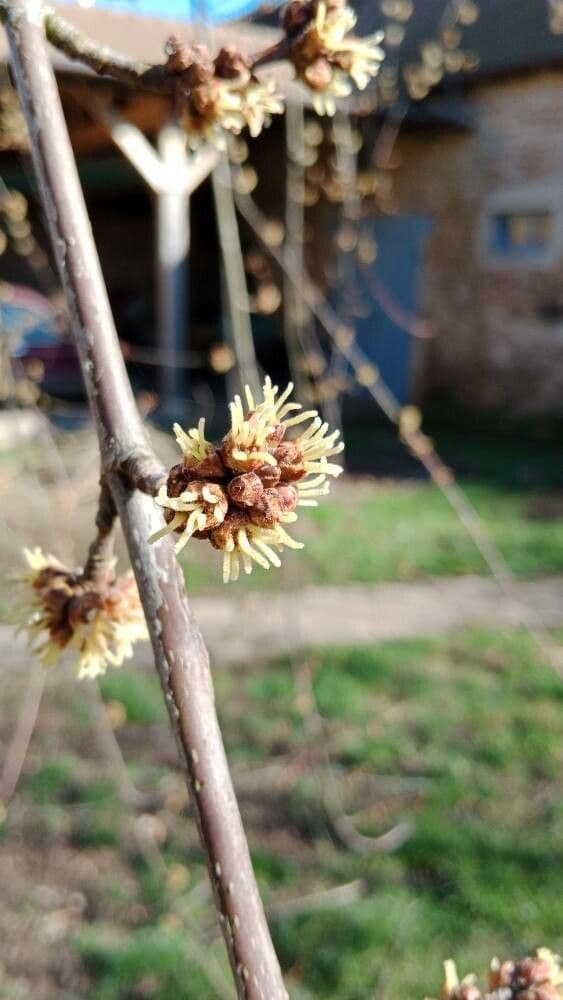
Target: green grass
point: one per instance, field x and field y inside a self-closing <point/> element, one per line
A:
<point x="405" y="532"/>
<point x="463" y="736"/>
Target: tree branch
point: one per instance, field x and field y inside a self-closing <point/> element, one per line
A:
<point x="180" y="655"/>
<point x="107" y="62"/>
<point x="100" y="553"/>
<point x="102" y="59"/>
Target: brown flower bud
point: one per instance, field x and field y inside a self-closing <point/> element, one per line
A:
<point x="531" y="970"/>
<point x="542" y="991"/>
<point x="82" y="608"/>
<point x="169" y="516"/>
<point x="180" y="56"/>
<point x="60" y="633"/>
<point x="270" y="475"/>
<point x="243" y="461"/>
<point x="296" y="16"/>
<point x="56" y="595"/>
<point x="344" y="60"/>
<point x="210" y="467"/>
<point x="501" y="974"/>
<point x="213" y="500"/>
<point x="177" y="481"/>
<point x="318" y="74"/>
<point x="234" y="521"/>
<point x="230" y="63"/>
<point x="466" y="991"/>
<point x="288" y="497"/>
<point x="290" y="460"/>
<point x="277" y="436"/>
<point x="246" y="490"/>
<point x="267" y="511"/>
<point x="52" y="576"/>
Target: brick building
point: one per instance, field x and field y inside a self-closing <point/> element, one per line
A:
<point x="468" y="220"/>
<point x="480" y="158"/>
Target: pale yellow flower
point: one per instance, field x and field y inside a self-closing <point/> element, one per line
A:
<point x="62" y="612"/>
<point x="242" y="495"/>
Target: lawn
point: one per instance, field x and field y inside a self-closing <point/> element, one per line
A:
<point x="400" y="527"/>
<point x="461" y="736"/>
<point x="373" y="532"/>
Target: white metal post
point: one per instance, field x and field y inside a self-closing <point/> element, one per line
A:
<point x="172" y="257"/>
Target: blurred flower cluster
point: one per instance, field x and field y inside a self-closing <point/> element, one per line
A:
<point x="242" y="495"/>
<point x="326" y="56"/>
<point x="537" y="977"/>
<point x="220" y="95"/>
<point x="97" y="620"/>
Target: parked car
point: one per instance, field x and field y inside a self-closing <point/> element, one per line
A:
<point x="39" y="343"/>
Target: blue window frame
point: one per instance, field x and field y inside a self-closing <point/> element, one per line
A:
<point x="521" y="234"/>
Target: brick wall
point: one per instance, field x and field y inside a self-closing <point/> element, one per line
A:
<point x="498" y="325"/>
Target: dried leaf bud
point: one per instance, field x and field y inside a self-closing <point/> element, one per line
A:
<point x="210" y="467"/>
<point x="83" y="608"/>
<point x="277" y="436"/>
<point x="178" y="479"/>
<point x="296" y="16"/>
<point x="531" y="970"/>
<point x="543" y="991"/>
<point x="290" y="461"/>
<point x="501" y="974"/>
<point x="246" y="490"/>
<point x="180" y="55"/>
<point x="267" y="512"/>
<point x="270" y="475"/>
<point x="466" y="991"/>
<point x="318" y="74"/>
<point x="230" y="63"/>
<point x="224" y="535"/>
<point x="288" y="498"/>
<point x="201" y="458"/>
<point x="245" y="447"/>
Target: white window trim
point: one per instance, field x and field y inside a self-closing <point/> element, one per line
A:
<point x="540" y="196"/>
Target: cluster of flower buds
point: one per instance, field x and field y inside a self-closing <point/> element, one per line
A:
<point x="97" y="620"/>
<point x="537" y="977"/>
<point x="326" y="56"/>
<point x="242" y="495"/>
<point x="220" y="95"/>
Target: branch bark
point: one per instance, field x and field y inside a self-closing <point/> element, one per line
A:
<point x="180" y="654"/>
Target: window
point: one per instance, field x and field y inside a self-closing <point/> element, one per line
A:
<point x="522" y="227"/>
<point x="521" y="233"/>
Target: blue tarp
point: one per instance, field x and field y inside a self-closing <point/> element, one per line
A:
<point x="217" y="10"/>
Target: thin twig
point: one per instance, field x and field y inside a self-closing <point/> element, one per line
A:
<point x="341" y="824"/>
<point x="100" y="553"/>
<point x="109" y="745"/>
<point x="240" y="325"/>
<point x="27" y="719"/>
<point x="340" y="895"/>
<point x="107" y="62"/>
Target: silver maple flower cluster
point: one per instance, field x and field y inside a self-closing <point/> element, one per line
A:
<point x="536" y="977"/>
<point x="327" y="56"/>
<point x="242" y="495"/>
<point x="94" y="621"/>
<point x="223" y="95"/>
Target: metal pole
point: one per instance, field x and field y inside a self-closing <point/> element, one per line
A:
<point x="235" y="277"/>
<point x="172" y="277"/>
<point x="296" y="316"/>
